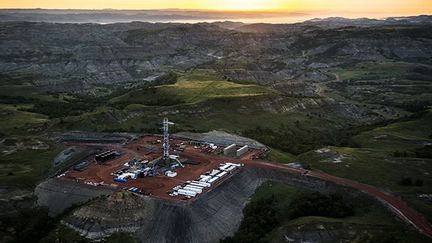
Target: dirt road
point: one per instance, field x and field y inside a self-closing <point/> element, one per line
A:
<point x="392" y="201"/>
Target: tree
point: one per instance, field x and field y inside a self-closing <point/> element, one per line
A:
<point x="407" y="181"/>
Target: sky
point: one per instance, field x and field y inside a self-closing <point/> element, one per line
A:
<point x="340" y="7"/>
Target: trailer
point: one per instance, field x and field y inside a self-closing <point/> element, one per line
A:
<point x="224" y="167"/>
<point x="238" y="165"/>
<point x="213" y="179"/>
<point x="222" y="174"/>
<point x="186" y="193"/>
<point x="231" y="168"/>
<point x="192" y="189"/>
<point x="195" y="186"/>
<point x="205" y="178"/>
<point x="199" y="183"/>
<point x="214" y="172"/>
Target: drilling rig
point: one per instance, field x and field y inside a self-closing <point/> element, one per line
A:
<point x="166" y="145"/>
<point x="166" y="158"/>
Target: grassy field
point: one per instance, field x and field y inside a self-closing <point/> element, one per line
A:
<point x="25" y="90"/>
<point x="14" y="121"/>
<point x="371" y="166"/>
<point x="405" y="135"/>
<point x="369" y="221"/>
<point x="25" y="168"/>
<point x="374" y="161"/>
<point x="397" y="84"/>
<point x="191" y="88"/>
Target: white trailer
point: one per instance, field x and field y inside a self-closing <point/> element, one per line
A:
<point x="224" y="167"/>
<point x="213" y="179"/>
<point x="192" y="189"/>
<point x="200" y="183"/>
<point x="214" y="172"/>
<point x="186" y="193"/>
<point x="222" y="174"/>
<point x="194" y="186"/>
<point x="205" y="178"/>
<point x="238" y="165"/>
<point x="231" y="168"/>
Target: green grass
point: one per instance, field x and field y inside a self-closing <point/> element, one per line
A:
<point x="27" y="91"/>
<point x="15" y="121"/>
<point x="374" y="162"/>
<point x="373" y="167"/>
<point x="377" y="70"/>
<point x="190" y="88"/>
<point x="369" y="215"/>
<point x="400" y="136"/>
<point x="28" y="166"/>
<point x="280" y="156"/>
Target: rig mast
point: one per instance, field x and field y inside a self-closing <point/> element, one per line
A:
<point x="166" y="125"/>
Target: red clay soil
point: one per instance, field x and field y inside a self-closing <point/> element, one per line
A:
<point x="146" y="148"/>
<point x="158" y="186"/>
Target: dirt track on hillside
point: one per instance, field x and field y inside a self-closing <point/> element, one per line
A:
<point x="395" y="203"/>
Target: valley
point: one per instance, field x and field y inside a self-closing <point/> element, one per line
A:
<point x="350" y="99"/>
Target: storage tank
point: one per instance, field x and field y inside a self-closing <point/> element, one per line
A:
<point x="242" y="150"/>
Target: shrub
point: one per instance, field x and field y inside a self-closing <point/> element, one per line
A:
<point x="317" y="204"/>
<point x="407" y="181"/>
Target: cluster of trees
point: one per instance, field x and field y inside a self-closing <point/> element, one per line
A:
<point x="424" y="152"/>
<point x="260" y="217"/>
<point x="299" y="139"/>
<point x="317" y="204"/>
<point x="263" y="215"/>
<point x="408" y="181"/>
<point x="55" y="108"/>
<point x="168" y="78"/>
<point x="29" y="225"/>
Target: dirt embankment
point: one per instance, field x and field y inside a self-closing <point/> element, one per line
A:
<point x="215" y="215"/>
<point x="58" y="195"/>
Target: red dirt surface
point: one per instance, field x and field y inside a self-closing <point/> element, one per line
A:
<point x="147" y="148"/>
<point x="158" y="186"/>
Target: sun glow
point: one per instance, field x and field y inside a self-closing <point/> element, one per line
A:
<point x="247" y="5"/>
<point x="334" y="7"/>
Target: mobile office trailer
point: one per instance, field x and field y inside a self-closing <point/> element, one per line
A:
<point x="205" y="178"/>
<point x="232" y="167"/>
<point x="186" y="193"/>
<point x="214" y="172"/>
<point x="238" y="165"/>
<point x="222" y="174"/>
<point x="192" y="189"/>
<point x="203" y="184"/>
<point x="213" y="179"/>
<point x="224" y="167"/>
<point x="195" y="186"/>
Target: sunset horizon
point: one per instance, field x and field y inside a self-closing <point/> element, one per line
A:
<point x="337" y="7"/>
<point x="228" y="121"/>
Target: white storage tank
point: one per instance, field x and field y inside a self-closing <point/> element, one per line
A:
<point x="242" y="150"/>
<point x="230" y="150"/>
